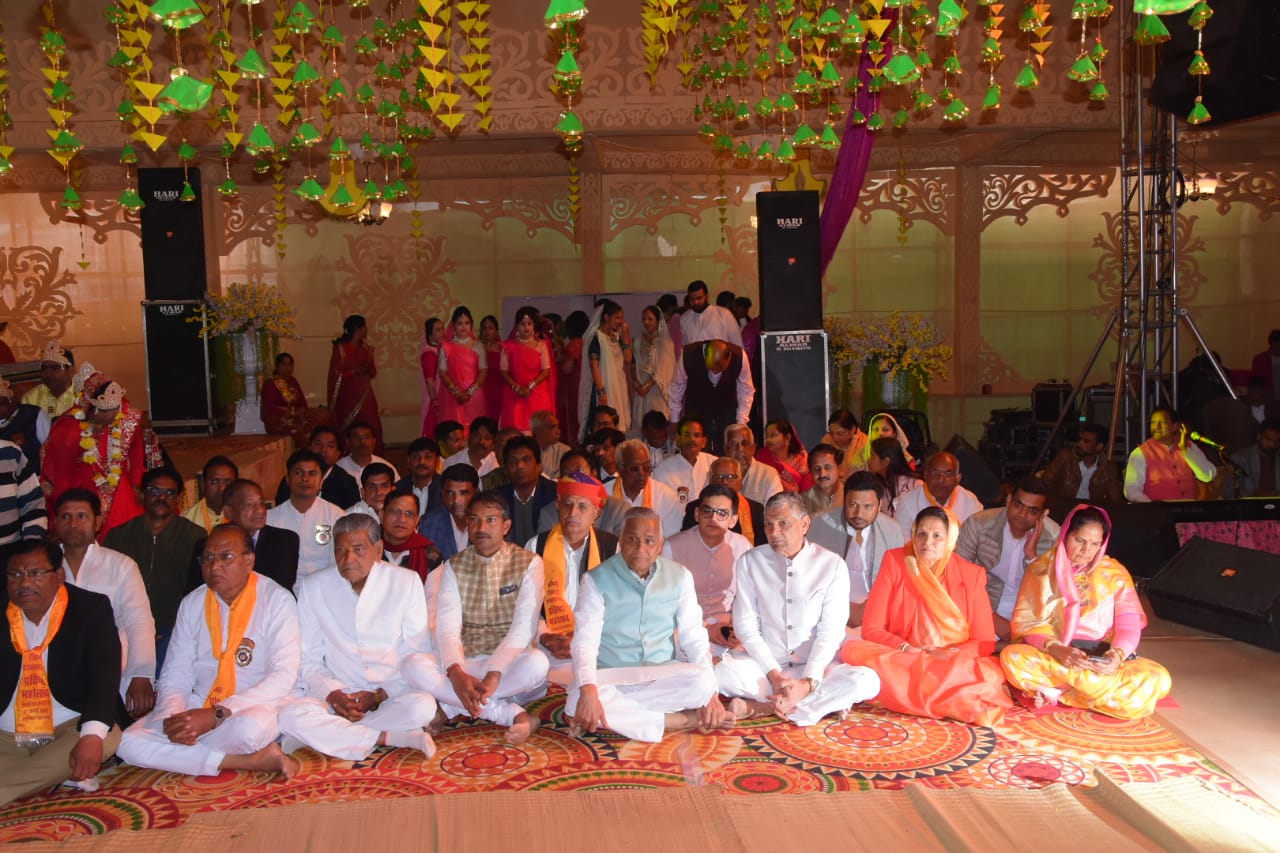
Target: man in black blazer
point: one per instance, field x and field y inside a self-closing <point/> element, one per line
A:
<point x="337" y="486"/>
<point x="82" y="663"/>
<point x="275" y="550"/>
<point x="527" y="491"/>
<point x="727" y="472"/>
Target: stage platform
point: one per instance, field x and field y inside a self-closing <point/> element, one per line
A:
<point x="260" y="458"/>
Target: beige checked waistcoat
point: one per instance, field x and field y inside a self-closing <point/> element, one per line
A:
<point x="488" y="589"/>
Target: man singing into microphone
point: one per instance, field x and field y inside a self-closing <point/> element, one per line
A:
<point x="1166" y="466"/>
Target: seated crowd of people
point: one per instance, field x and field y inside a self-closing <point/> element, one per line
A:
<point x="662" y="586"/>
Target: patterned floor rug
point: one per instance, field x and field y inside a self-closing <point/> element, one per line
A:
<point x="872" y="749"/>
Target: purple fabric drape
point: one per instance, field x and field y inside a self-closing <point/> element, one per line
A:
<point x="851" y="164"/>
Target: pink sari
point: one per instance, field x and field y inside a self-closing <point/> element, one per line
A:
<point x="462" y="364"/>
<point x="525" y="363"/>
<point x="493" y="384"/>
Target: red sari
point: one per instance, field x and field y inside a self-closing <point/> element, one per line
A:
<point x="350" y="388"/>
<point x="493" y="384"/>
<point x="525" y="362"/>
<point x="567" y="396"/>
<point x="430" y="361"/>
<point x="63" y="465"/>
<point x="795" y="477"/>
<point x="284" y="408"/>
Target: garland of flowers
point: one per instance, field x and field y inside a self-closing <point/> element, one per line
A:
<point x="104" y="477"/>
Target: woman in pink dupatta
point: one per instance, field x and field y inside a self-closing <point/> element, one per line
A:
<point x="784" y="450"/>
<point x="429" y="358"/>
<point x="463" y="368"/>
<point x="526" y="369"/>
<point x="1078" y="621"/>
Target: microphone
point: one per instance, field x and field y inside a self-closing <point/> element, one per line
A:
<point x="1195" y="436"/>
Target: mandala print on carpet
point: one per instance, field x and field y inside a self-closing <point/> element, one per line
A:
<point x="873" y="748"/>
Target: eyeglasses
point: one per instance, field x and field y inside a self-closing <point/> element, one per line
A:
<point x="217" y="481"/>
<point x="713" y="512"/>
<point x="161" y="492"/>
<point x="19" y="575"/>
<point x="725" y="478"/>
<point x="401" y="513"/>
<point x="222" y="558"/>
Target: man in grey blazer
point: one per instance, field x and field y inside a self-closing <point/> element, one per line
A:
<point x="1005" y="540"/>
<point x="860" y="534"/>
<point x="1259" y="464"/>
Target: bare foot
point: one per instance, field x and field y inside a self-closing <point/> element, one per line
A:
<point x="438" y="723"/>
<point x="524" y="726"/>
<point x="741" y="709"/>
<point x="270" y="759"/>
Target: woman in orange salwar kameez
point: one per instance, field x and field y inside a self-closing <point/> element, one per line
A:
<point x="1078" y="621"/>
<point x="526" y="368"/>
<point x="927" y="630"/>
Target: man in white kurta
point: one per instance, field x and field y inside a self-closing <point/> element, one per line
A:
<point x="686" y="472"/>
<point x="358" y="624"/>
<point x="704" y="321"/>
<point x="486" y="622"/>
<point x="77" y="517"/>
<point x="759" y="481"/>
<point x="217" y="706"/>
<point x="940" y="487"/>
<point x="789" y="614"/>
<point x="307" y="514"/>
<point x="636" y="486"/>
<point x="630" y="610"/>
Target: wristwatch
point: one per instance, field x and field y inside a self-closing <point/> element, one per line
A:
<point x="220" y="713"/>
<point x="813" y="684"/>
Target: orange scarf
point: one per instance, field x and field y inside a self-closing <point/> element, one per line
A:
<point x="744" y="520"/>
<point x="559" y="613"/>
<point x="939" y="621"/>
<point x="647" y="500"/>
<point x="238" y="622"/>
<point x="950" y="506"/>
<point x="33" y="702"/>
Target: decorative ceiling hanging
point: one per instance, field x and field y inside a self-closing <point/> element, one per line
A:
<point x="66" y="145"/>
<point x="1150" y="30"/>
<point x="769" y="73"/>
<point x="6" y="150"/>
<point x="563" y="19"/>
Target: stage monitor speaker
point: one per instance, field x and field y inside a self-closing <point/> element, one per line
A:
<point x="1143" y="536"/>
<point x="177" y="368"/>
<point x="790" y="254"/>
<point x="1239" y="43"/>
<point x="1225" y="589"/>
<point x="796" y="384"/>
<point x="173" y="253"/>
<point x="976" y="474"/>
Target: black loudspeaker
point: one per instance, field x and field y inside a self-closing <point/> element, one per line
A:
<point x="1221" y="588"/>
<point x="173" y="256"/>
<point x="975" y="474"/>
<point x="1239" y="45"/>
<point x="177" y="368"/>
<point x="790" y="253"/>
<point x="1143" y="536"/>
<point x="790" y="363"/>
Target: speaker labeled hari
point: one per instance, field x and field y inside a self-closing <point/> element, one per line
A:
<point x="790" y="255"/>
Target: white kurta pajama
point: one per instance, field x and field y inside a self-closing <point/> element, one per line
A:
<point x="355" y="643"/>
<point x="790" y="615"/>
<point x="523" y="669"/>
<point x="314" y="529"/>
<point x="263" y="683"/>
<point x="636" y="699"/>
<point x="116" y="576"/>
